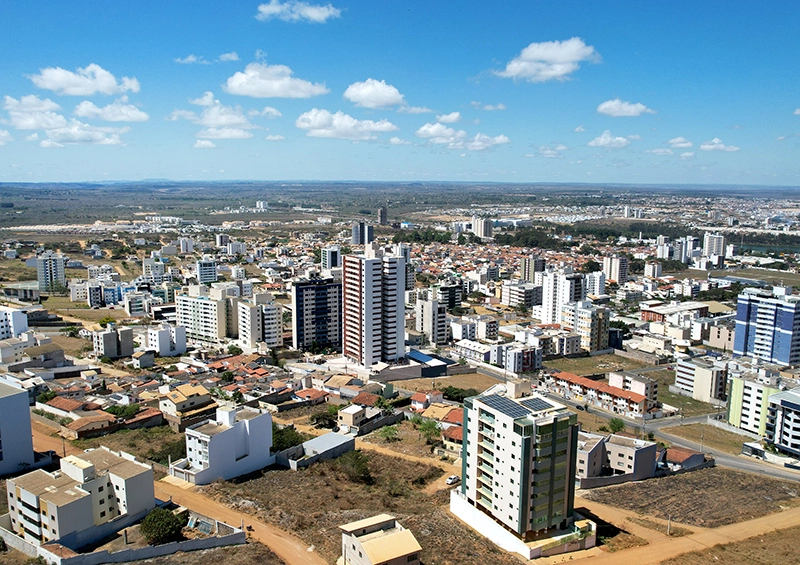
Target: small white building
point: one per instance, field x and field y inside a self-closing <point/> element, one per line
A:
<point x="378" y="540"/>
<point x="166" y="340"/>
<point x="16" y="445"/>
<point x="233" y="444"/>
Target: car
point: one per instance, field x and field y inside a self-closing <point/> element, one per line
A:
<point x="452" y="479"/>
<point x="579" y="407"/>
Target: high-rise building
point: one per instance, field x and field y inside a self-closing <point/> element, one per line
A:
<point x="519" y="456"/>
<point x="588" y="321"/>
<point x="373" y="290"/>
<point x="153" y="270"/>
<point x="449" y="295"/>
<point x="204" y="318"/>
<point x="595" y="283"/>
<point x="222" y="239"/>
<point x="432" y="320"/>
<point x="530" y="266"/>
<point x="482" y="227"/>
<point x="260" y="321"/>
<point x="383" y="215"/>
<point x="16" y="447"/>
<point x="206" y="269"/>
<point x="768" y="325"/>
<point x="317" y="313"/>
<point x="713" y="244"/>
<point x="331" y="257"/>
<point x="652" y="269"/>
<point x="558" y="288"/>
<point x="615" y="268"/>
<point x="363" y="234"/>
<point x="50" y="271"/>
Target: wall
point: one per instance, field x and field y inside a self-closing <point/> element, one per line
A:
<point x="13" y="541"/>
<point x="723" y="425"/>
<point x="594" y="482"/>
<point x="641" y="356"/>
<point x="380" y="422"/>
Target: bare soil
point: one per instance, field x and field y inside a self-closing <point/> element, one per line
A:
<point x="249" y="554"/>
<point x="3" y="497"/>
<point x="779" y="546"/>
<point x="674" y="531"/>
<point x="409" y="441"/>
<point x="314" y="502"/>
<point x="145" y="443"/>
<point x="593" y="365"/>
<point x="711" y="437"/>
<point x="466" y="381"/>
<point x="706" y="498"/>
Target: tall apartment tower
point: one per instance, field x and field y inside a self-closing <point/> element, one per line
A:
<point x="404" y="251"/>
<point x="362" y="234"/>
<point x="260" y="320"/>
<point x="768" y="325"/>
<point x="50" y="271"/>
<point x="317" y="313"/>
<point x="559" y="288"/>
<point x="482" y="227"/>
<point x="615" y="268"/>
<point x="373" y="311"/>
<point x="518" y="460"/>
<point x="713" y="244"/>
<point x="432" y="320"/>
<point x="331" y="257"/>
<point x="206" y="269"/>
<point x="383" y="215"/>
<point x="530" y="266"/>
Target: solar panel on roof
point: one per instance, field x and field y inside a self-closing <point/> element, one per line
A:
<point x="536" y="404"/>
<point x="504" y="405"/>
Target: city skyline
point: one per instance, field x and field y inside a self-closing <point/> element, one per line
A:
<point x="287" y="90"/>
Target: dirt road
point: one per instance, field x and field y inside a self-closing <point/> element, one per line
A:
<point x="44" y="441"/>
<point x="291" y="549"/>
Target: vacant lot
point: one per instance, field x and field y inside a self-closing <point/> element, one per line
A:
<point x="779" y="546"/>
<point x="711" y="437"/>
<point x="707" y="498"/>
<point x="593" y="365"/>
<point x="15" y="270"/>
<point x="250" y="554"/>
<point x="690" y="406"/>
<point x="62" y="306"/>
<point x="409" y="441"/>
<point x="314" y="502"/>
<point x="73" y="346"/>
<point x="155" y="444"/>
<point x="591" y="422"/>
<point x="772" y="277"/>
<point x="674" y="531"/>
<point x="469" y="380"/>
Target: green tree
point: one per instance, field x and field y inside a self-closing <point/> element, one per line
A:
<point x="616" y="425"/>
<point x="124" y="412"/>
<point x="70" y="331"/>
<point x="161" y="526"/>
<point x="429" y="430"/>
<point x="355" y="466"/>
<point x="619" y="324"/>
<point x="388" y="434"/>
<point x="227" y="376"/>
<point x="285" y="437"/>
<point x="327" y="418"/>
<point x="234" y="350"/>
<point x="105" y="321"/>
<point x="46" y="396"/>
<point x="238" y="397"/>
<point x="591" y="266"/>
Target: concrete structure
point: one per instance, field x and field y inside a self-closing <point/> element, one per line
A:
<point x="635" y="382"/>
<point x="523" y="295"/>
<point x="529" y="266"/>
<point x="749" y="400"/>
<point x="431" y="320"/>
<point x="768" y="325"/>
<point x="783" y="422"/>
<point x="701" y="378"/>
<point x="16" y="445"/>
<point x="166" y="340"/>
<point x="331" y="257"/>
<point x="206" y="270"/>
<point x="317" y="313"/>
<point x="13" y="322"/>
<point x="595" y="283"/>
<point x="652" y="269"/>
<point x="713" y="244"/>
<point x="559" y="288"/>
<point x="363" y="234"/>
<point x="590" y="322"/>
<point x="615" y="268"/>
<point x="113" y="342"/>
<point x="321" y="448"/>
<point x="597" y="393"/>
<point x="203" y="317"/>
<point x="184" y="398"/>
<point x="260" y="321"/>
<point x="233" y="444"/>
<point x="50" y="271"/>
<point x="89" y="490"/>
<point x="615" y="456"/>
<point x="379" y="540"/>
<point x="482" y="227"/>
<point x="450" y="295"/>
<point x="373" y="289"/>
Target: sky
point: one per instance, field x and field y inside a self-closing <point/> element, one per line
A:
<point x="518" y="91"/>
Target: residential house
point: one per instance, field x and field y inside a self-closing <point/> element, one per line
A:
<point x="379" y="540"/>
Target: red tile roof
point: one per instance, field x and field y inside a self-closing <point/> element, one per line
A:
<point x="454" y="433"/>
<point x="366" y="399"/>
<point x="311" y="394"/>
<point x="679" y="455"/>
<point x="419" y="397"/>
<point x="601" y="387"/>
<point x="65" y="404"/>
<point x="455" y="416"/>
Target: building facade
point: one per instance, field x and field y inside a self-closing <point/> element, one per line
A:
<point x="16" y="445"/>
<point x="50" y="271"/>
<point x="317" y="313"/>
<point x="768" y="325"/>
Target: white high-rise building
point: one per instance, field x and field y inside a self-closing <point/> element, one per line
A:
<point x="588" y="321"/>
<point x="153" y="270"/>
<point x="558" y="288"/>
<point x="373" y="289"/>
<point x="16" y="446"/>
<point x="482" y="227"/>
<point x="595" y="283"/>
<point x="206" y="270"/>
<point x="432" y="320"/>
<point x="713" y="244"/>
<point x="615" y="268"/>
<point x="167" y="341"/>
<point x="260" y="321"/>
<point x="204" y="318"/>
<point x="652" y="269"/>
<point x="529" y="266"/>
<point x="186" y="245"/>
<point x="50" y="271"/>
<point x="331" y="257"/>
<point x="13" y="322"/>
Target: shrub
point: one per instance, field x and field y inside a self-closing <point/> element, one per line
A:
<point x="616" y="425"/>
<point x="161" y="526"/>
<point x="355" y="466"/>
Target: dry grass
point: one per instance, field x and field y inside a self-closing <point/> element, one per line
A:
<point x="15" y="270"/>
<point x="146" y="443"/>
<point x="711" y="437"/>
<point x="706" y="498"/>
<point x="622" y="540"/>
<point x="779" y="546"/>
<point x="674" y="531"/>
<point x="314" y="502"/>
<point x="466" y="381"/>
<point x="593" y="365"/>
<point x="690" y="406"/>
<point x="409" y="441"/>
<point x="249" y="554"/>
<point x="74" y="346"/>
<point x="591" y="422"/>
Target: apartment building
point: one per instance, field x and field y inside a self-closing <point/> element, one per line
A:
<point x="431" y="320"/>
<point x="363" y="234"/>
<point x="768" y="325"/>
<point x="635" y="382"/>
<point x="702" y="378"/>
<point x="615" y="268"/>
<point x="331" y="257"/>
<point x="13" y="322"/>
<point x="92" y="489"/>
<point x="559" y="288"/>
<point x="379" y="540"/>
<point x="166" y="340"/>
<point x="317" y="313"/>
<point x="113" y="342"/>
<point x="234" y="443"/>
<point x="260" y="321"/>
<point x="16" y="445"/>
<point x="50" y="271"/>
<point x="206" y="270"/>
<point x="590" y="322"/>
<point x="749" y="400"/>
<point x="203" y="317"/>
<point x="529" y="266"/>
<point x="783" y="422"/>
<point x="615" y="455"/>
<point x="525" y="295"/>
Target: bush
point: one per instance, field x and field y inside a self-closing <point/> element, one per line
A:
<point x="124" y="412"/>
<point x="616" y="425"/>
<point x="46" y="397"/>
<point x="355" y="466"/>
<point x="284" y="438"/>
<point x="161" y="526"/>
<point x="3" y="547"/>
<point x="459" y="394"/>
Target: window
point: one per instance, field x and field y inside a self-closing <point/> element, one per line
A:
<point x="102" y="501"/>
<point x="412" y="557"/>
<point x="100" y="489"/>
<point x="103" y="514"/>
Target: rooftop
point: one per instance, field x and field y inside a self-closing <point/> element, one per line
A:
<point x="8" y="390"/>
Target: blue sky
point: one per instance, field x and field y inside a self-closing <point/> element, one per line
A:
<point x="629" y="92"/>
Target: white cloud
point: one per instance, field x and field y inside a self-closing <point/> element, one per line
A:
<point x="687" y="155"/>
<point x="295" y="11"/>
<point x="414" y="110"/>
<point x="679" y="143"/>
<point x="268" y="112"/>
<point x="119" y="111"/>
<point x="797" y="112"/>
<point x="717" y="145"/>
<point x="549" y="151"/>
<point x="450" y="118"/>
<point x="5" y="137"/>
<point x="46" y="143"/>
<point x="440" y="134"/>
<point x="78" y="132"/>
<point x="31" y="112"/>
<point x="322" y="123"/>
<point x="191" y="59"/>
<point x="32" y="137"/>
<point x="549" y="60"/>
<point x="635" y="137"/>
<point x="619" y="108"/>
<point x="661" y="152"/>
<point x="224" y="133"/>
<point x="373" y="94"/>
<point x="609" y="141"/>
<point x="494" y="107"/>
<point x="92" y="79"/>
<point x="274" y="138"/>
<point x="207" y="99"/>
<point x="271" y="81"/>
<point x="482" y="141"/>
<point x="30" y="103"/>
<point x="226" y="57"/>
<point x="398" y="141"/>
<point x="580" y="129"/>
<point x="176" y="115"/>
<point x="204" y="144"/>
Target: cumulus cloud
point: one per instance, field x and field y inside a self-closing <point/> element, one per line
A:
<point x="661" y="152"/>
<point x="46" y="143"/>
<point x="580" y="129"/>
<point x="5" y="137"/>
<point x="322" y="123"/>
<point x="31" y="112"/>
<point x="207" y="99"/>
<point x="635" y="137"/>
<point x="797" y="112"/>
<point x="92" y="79"/>
<point x="679" y="143"/>
<point x="204" y="144"/>
<point x="687" y="155"/>
<point x="414" y="110"/>
<point x="619" y="108"/>
<point x="32" y="137"/>
<point x="260" y="80"/>
<point x="30" y="103"/>
<point x="482" y="141"/>
<point x="268" y="112"/>
<point x="295" y="11"/>
<point x="119" y="111"/>
<point x="549" y="60"/>
<point x="398" y="141"/>
<point x="457" y="139"/>
<point x="274" y="138"/>
<point x="450" y="118"/>
<point x="218" y="120"/>
<point x="226" y="57"/>
<point x="78" y="132"/>
<point x="488" y="107"/>
<point x="609" y="141"/>
<point x="717" y="145"/>
<point x="176" y="115"/>
<point x="373" y="94"/>
<point x="191" y="59"/>
<point x="224" y="133"/>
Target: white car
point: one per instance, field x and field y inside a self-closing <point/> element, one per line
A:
<point x="452" y="479"/>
